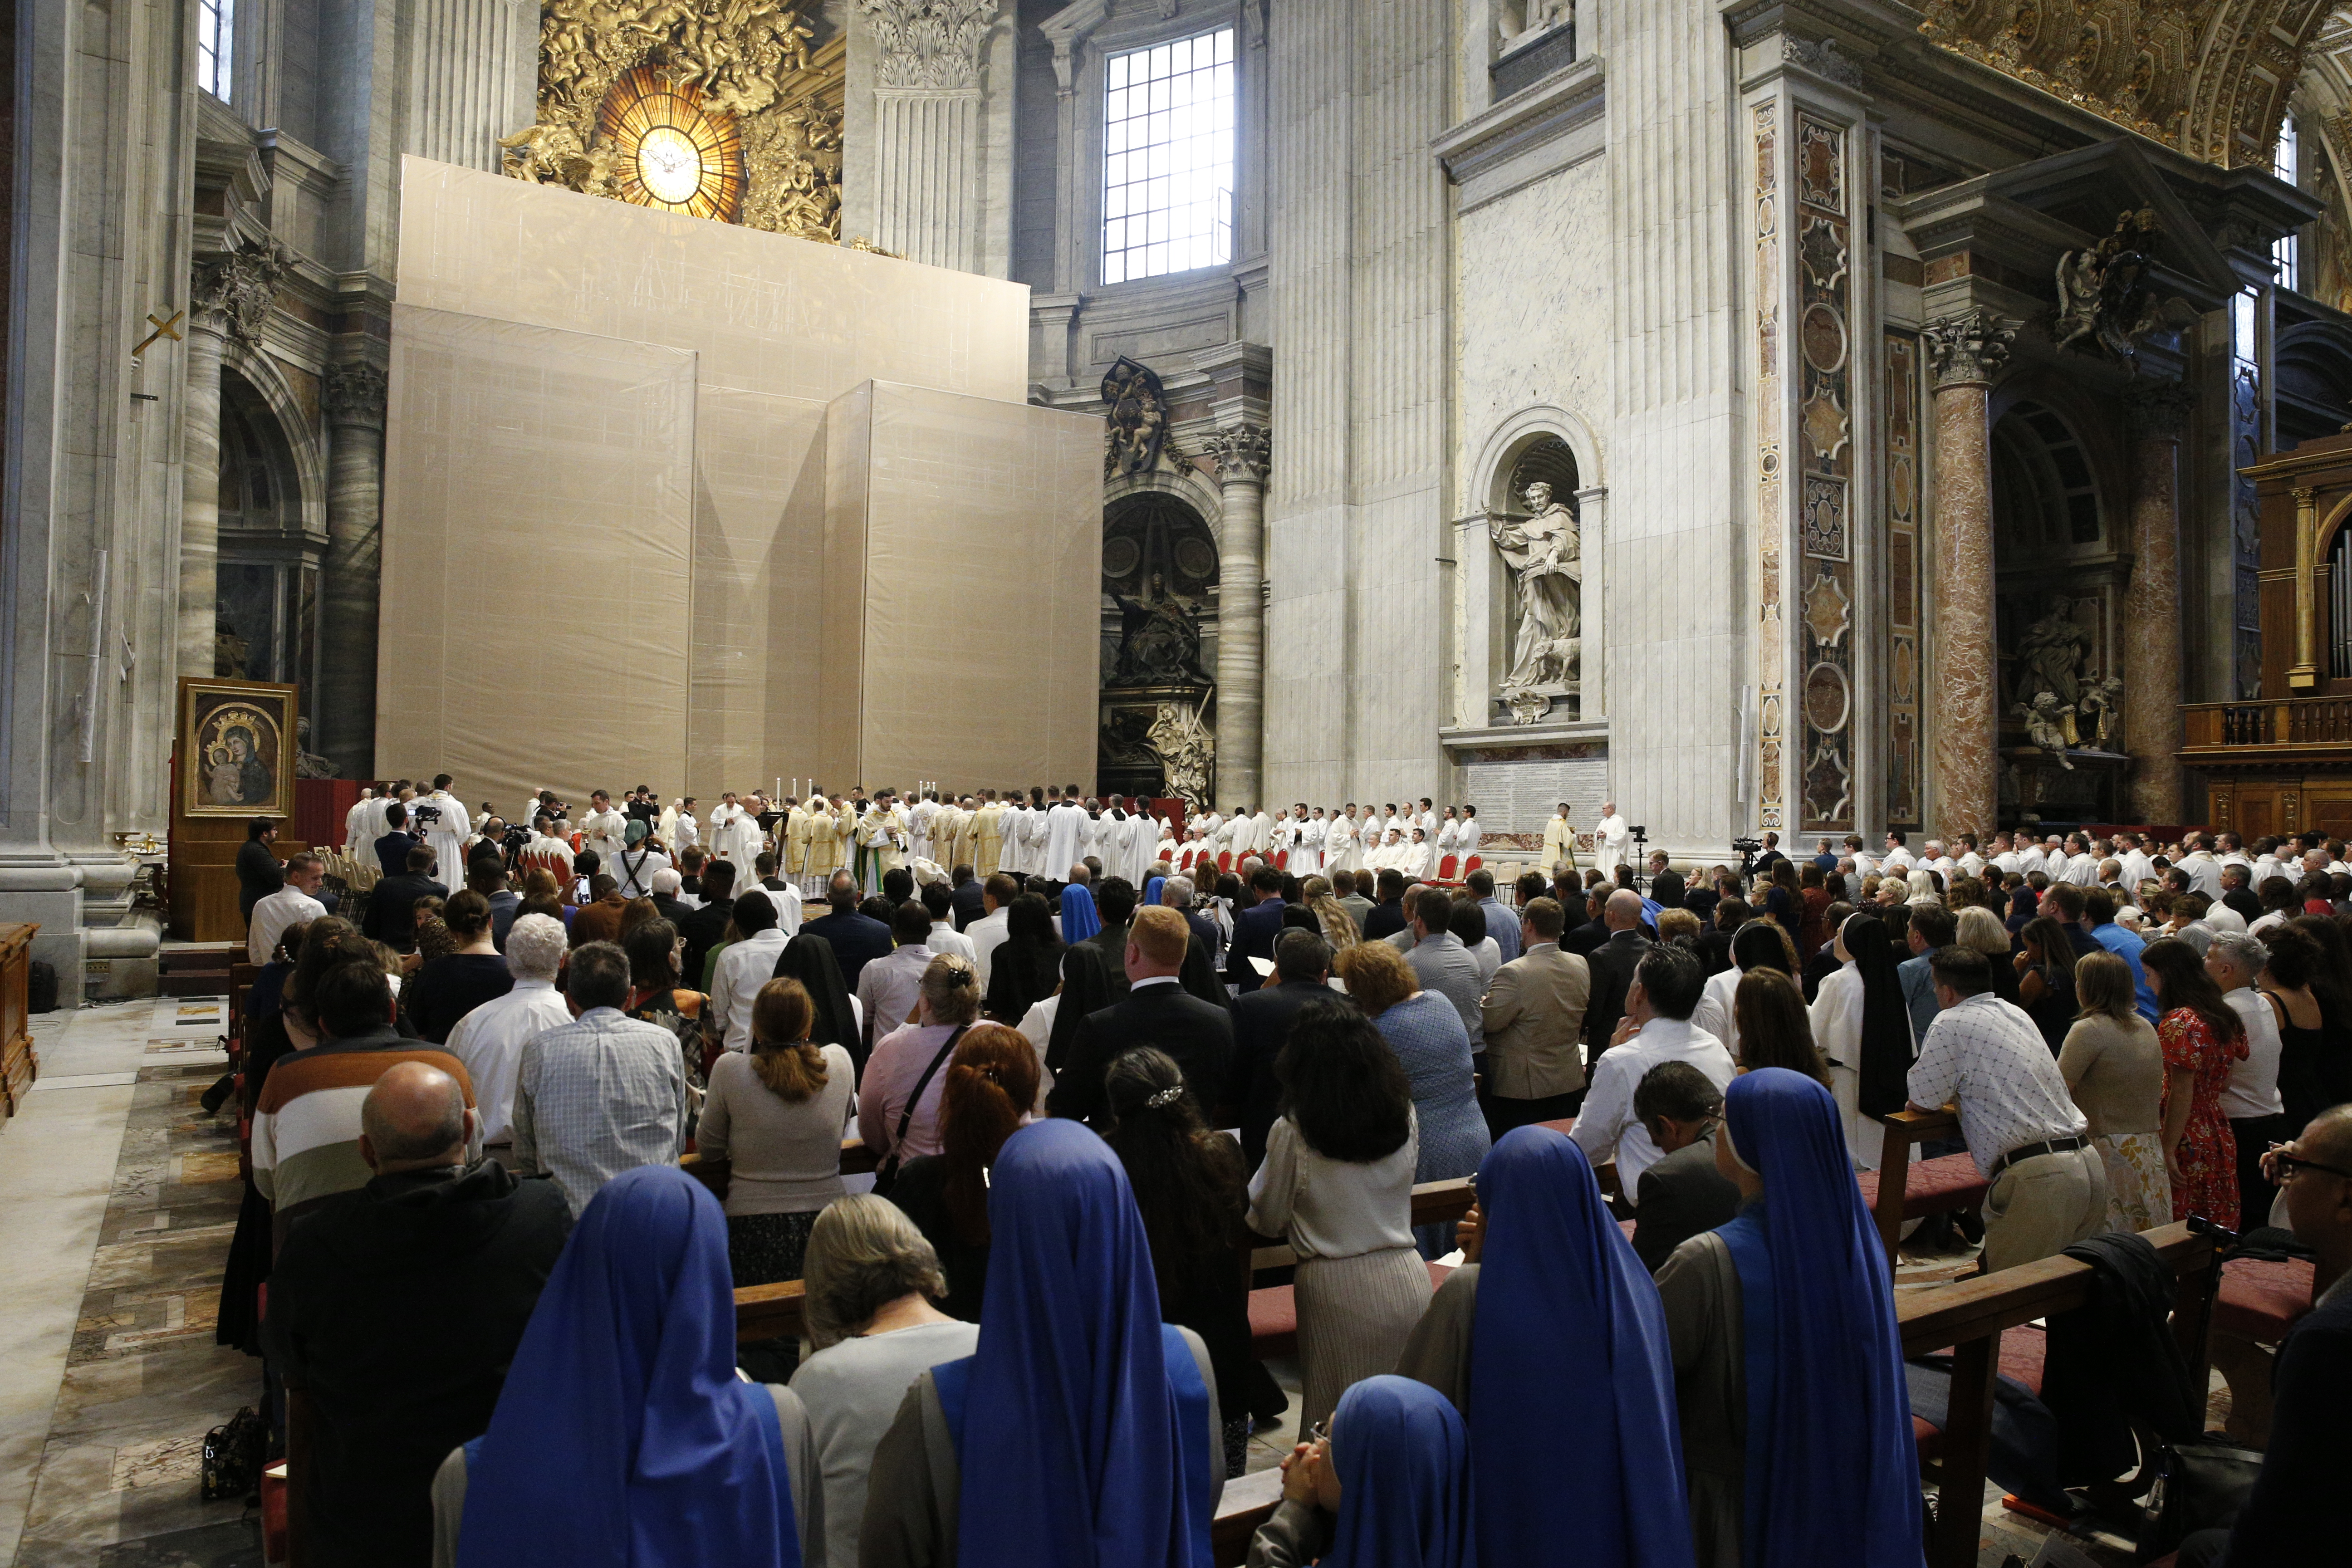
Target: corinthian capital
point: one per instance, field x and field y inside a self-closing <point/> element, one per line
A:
<point x="238" y="289"/>
<point x="931" y="44"/>
<point x="353" y="392"/>
<point x="2158" y="412"/>
<point x="1968" y="349"/>
<point x="1241" y="452"/>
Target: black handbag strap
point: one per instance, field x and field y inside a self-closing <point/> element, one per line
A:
<point x="906" y="1117"/>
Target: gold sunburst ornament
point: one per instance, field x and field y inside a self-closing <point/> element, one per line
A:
<point x="672" y="151"/>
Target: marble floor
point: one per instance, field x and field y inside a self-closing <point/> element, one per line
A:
<point x="122" y="1196"/>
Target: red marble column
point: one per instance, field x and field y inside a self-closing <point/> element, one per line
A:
<point x="2152" y="607"/>
<point x="1968" y="352"/>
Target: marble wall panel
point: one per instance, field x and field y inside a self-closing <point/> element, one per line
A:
<point x="1532" y="321"/>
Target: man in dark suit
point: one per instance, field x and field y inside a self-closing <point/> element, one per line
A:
<point x="855" y="938"/>
<point x="1158" y="1013"/>
<point x="967" y="897"/>
<point x="392" y="910"/>
<point x="1612" y="964"/>
<point x="1302" y="968"/>
<point x="258" y="874"/>
<point x="1386" y="917"/>
<point x="392" y="849"/>
<point x="706" y="927"/>
<point x="1254" y="930"/>
<point x="1115" y="900"/>
<point x="1715" y="943"/>
<point x="1590" y="929"/>
<point x="1177" y="894"/>
<point x="1682" y="1193"/>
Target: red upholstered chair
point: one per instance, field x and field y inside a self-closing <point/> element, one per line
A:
<point x="1281" y="860"/>
<point x="1447" y="867"/>
<point x="2259" y="1302"/>
<point x="1475" y="863"/>
<point x="1225" y="859"/>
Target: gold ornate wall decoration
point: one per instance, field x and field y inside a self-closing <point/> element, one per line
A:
<point x="2209" y="77"/>
<point x="1825" y="529"/>
<point x="732" y="106"/>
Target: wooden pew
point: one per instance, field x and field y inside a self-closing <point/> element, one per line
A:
<point x="1967" y="1317"/>
<point x="1900" y="1190"/>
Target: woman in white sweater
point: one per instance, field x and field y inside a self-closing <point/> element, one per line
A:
<point x="775" y="1113"/>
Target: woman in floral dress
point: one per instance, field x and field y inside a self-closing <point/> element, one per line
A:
<point x="2202" y="1040"/>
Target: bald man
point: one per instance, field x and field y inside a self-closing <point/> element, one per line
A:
<point x="1612" y="965"/>
<point x="393" y="1311"/>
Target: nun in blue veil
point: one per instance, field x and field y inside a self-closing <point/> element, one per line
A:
<point x="1153" y="887"/>
<point x="623" y="1435"/>
<point x="1552" y="1343"/>
<point x="1389" y="1488"/>
<point x="1080" y="918"/>
<point x="1082" y="1433"/>
<point x="1796" y="1421"/>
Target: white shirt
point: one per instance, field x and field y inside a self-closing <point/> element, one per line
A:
<point x="787" y="901"/>
<point x="1465" y="837"/>
<point x="1898" y="860"/>
<point x="945" y="938"/>
<point x="2204" y="872"/>
<point x="2137" y="868"/>
<point x="743" y="967"/>
<point x="1972" y="863"/>
<point x="1714" y="1012"/>
<point x="1987" y="1054"/>
<point x="986" y="934"/>
<point x="2253" y="1090"/>
<point x="490" y="1041"/>
<point x="634" y="870"/>
<point x="289" y="906"/>
<point x="1607" y="1124"/>
<point x="2083" y="871"/>
<point x="889" y="986"/>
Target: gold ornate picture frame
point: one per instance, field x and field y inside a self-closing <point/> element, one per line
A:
<point x="236" y="749"/>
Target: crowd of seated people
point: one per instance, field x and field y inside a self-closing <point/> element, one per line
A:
<point x="501" y="1262"/>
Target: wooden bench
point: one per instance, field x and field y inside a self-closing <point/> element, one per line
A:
<point x="1969" y="1317"/>
<point x="1945" y="1184"/>
<point x="2259" y="1302"/>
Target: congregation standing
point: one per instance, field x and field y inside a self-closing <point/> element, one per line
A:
<point x="1668" y="1318"/>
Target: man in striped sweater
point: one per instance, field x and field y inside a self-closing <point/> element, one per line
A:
<point x="306" y="1129"/>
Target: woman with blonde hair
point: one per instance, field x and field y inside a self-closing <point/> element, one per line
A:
<point x="898" y="1110"/>
<point x="992" y="1082"/>
<point x="873" y="1286"/>
<point x="2114" y="1067"/>
<point x="1980" y="929"/>
<point x="775" y="1113"/>
<point x="1339" y="925"/>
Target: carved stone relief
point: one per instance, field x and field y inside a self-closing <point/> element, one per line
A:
<point x="239" y="288"/>
<point x="931" y="44"/>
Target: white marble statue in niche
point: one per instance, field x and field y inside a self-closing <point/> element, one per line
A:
<point x="1547" y="575"/>
<point x="1534" y="18"/>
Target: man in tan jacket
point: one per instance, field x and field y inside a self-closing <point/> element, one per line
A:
<point x="1534" y="1012"/>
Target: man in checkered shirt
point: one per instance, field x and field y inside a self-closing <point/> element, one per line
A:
<point x="603" y="1094"/>
<point x="2023" y="1129"/>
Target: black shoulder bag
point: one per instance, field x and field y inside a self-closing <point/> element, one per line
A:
<point x="886" y="1175"/>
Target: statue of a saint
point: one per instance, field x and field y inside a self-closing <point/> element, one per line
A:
<point x="2050" y="656"/>
<point x="1187" y="751"/>
<point x="1548" y="570"/>
<point x="1159" y="641"/>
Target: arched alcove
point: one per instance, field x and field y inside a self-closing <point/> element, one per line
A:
<point x="1159" y="646"/>
<point x="268" y="571"/>
<point x="2059" y="537"/>
<point x="2312" y="377"/>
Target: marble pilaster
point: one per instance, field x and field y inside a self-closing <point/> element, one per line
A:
<point x="1244" y="456"/>
<point x="200" y="493"/>
<point x="2151" y="628"/>
<point x="927" y="126"/>
<point x="350" y="591"/>
<point x="1968" y="352"/>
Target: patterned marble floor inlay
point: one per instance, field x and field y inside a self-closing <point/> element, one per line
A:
<point x="143" y="1381"/>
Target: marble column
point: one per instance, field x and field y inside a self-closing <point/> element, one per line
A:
<point x="344" y="710"/>
<point x="1243" y="455"/>
<point x="200" y="493"/>
<point x="2152" y="607"/>
<point x="927" y="126"/>
<point x="231" y="297"/>
<point x="1968" y="352"/>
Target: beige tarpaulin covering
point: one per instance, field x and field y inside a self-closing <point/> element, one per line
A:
<point x="694" y="564"/>
<point x="537" y="511"/>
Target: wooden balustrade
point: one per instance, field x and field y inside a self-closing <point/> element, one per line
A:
<point x="2212" y="730"/>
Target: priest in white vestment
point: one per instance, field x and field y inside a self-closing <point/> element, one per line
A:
<point x="1067" y="831"/>
<point x="1341" y="852"/>
<point x="1610" y="836"/>
<point x="1414" y="861"/>
<point x="1558" y="842"/>
<point x="1465" y="840"/>
<point x="440" y="818"/>
<point x="1315" y="841"/>
<point x="1260" y="832"/>
<point x="356" y="822"/>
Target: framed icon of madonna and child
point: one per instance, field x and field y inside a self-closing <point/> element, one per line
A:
<point x="236" y="749"/>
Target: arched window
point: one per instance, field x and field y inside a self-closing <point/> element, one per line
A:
<point x="268" y="611"/>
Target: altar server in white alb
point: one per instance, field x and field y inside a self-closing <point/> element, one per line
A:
<point x="1065" y="827"/>
<point x="1466" y="838"/>
<point x="357" y="820"/>
<point x="1341" y="852"/>
<point x="442" y="819"/>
